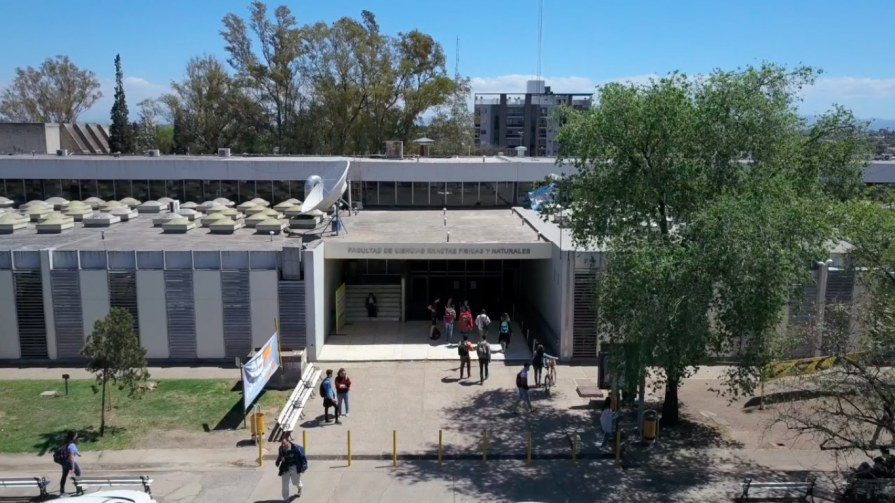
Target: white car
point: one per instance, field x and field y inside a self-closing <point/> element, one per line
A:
<point x="122" y="496"/>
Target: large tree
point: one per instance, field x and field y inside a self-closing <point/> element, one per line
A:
<point x="147" y="135"/>
<point x="452" y="127"/>
<point x="115" y="356"/>
<point x="57" y="91"/>
<point x="121" y="132"/>
<point x="710" y="195"/>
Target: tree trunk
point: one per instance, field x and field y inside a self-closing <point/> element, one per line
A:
<point x="102" y="414"/>
<point x="671" y="413"/>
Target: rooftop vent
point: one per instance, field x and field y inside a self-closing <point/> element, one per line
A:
<point x="394" y="149"/>
<point x="223" y="152"/>
<point x="153" y="152"/>
<point x="520" y="151"/>
<point x="62" y="152"/>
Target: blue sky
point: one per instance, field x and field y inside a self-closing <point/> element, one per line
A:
<point x="585" y="42"/>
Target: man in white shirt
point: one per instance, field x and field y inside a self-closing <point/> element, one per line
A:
<point x="481" y="322"/>
<point x="608" y="423"/>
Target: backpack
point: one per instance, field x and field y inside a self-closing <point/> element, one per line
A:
<point x="482" y="351"/>
<point x="322" y="389"/>
<point x="519" y="382"/>
<point x="60" y="455"/>
<point x="462" y="350"/>
<point x="504" y="327"/>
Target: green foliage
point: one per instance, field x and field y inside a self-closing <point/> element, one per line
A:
<point x="452" y="128"/>
<point x="114" y="354"/>
<point x="147" y="128"/>
<point x="56" y="91"/>
<point x="712" y="198"/>
<point x="121" y="132"/>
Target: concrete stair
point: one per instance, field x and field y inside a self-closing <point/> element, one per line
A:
<point x="388" y="299"/>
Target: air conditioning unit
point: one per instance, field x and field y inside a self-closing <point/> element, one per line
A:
<point x="62" y="152"/>
<point x="223" y="152"/>
<point x="174" y="206"/>
<point x="153" y="152"/>
<point x="394" y="149"/>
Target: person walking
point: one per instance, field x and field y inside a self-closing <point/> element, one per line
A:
<point x="481" y="322"/>
<point x="522" y="388"/>
<point x="68" y="455"/>
<point x="539" y="361"/>
<point x="463" y="350"/>
<point x="291" y="462"/>
<point x="371" y="306"/>
<point x="465" y="322"/>
<point x="483" y="351"/>
<point x="608" y="422"/>
<point x="433" y="314"/>
<point x="328" y="392"/>
<point x="449" y="316"/>
<point x="343" y="386"/>
<point x="505" y="330"/>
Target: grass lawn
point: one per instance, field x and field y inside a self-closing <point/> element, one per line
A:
<point x="31" y="423"/>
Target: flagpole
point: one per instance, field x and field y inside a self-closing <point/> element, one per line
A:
<point x="276" y="327"/>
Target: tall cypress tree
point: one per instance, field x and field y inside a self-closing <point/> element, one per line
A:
<point x="121" y="134"/>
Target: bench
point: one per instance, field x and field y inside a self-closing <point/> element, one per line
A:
<point x="806" y="488"/>
<point x="40" y="483"/>
<point x="294" y="408"/>
<point x="82" y="483"/>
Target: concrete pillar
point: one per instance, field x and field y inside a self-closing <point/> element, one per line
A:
<point x="567" y="304"/>
<point x="46" y="265"/>
<point x="209" y="307"/>
<point x="153" y="313"/>
<point x="94" y="298"/>
<point x="312" y="259"/>
<point x="9" y="327"/>
<point x="265" y="305"/>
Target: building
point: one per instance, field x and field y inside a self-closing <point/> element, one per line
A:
<point x="46" y="138"/>
<point x="506" y="120"/>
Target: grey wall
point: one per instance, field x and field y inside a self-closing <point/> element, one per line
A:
<point x="94" y="297"/>
<point x="209" y="313"/>
<point x="333" y="271"/>
<point x="9" y="328"/>
<point x="265" y="305"/>
<point x="315" y="324"/>
<point x="152" y="313"/>
<point x="24" y="138"/>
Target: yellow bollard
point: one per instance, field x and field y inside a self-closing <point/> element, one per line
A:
<point x="484" y="446"/>
<point x="394" y="448"/>
<point x="349" y="447"/>
<point x="439" y="448"/>
<point x="304" y="440"/>
<point x="575" y="448"/>
<point x="528" y="457"/>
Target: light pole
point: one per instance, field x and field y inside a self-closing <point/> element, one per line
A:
<point x="823" y="276"/>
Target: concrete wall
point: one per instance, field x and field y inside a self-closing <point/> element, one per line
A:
<point x="209" y="308"/>
<point x="265" y="305"/>
<point x="52" y="137"/>
<point x="46" y="264"/>
<point x="333" y="277"/>
<point x="153" y="313"/>
<point x="541" y="291"/>
<point x="9" y="328"/>
<point x="23" y="138"/>
<point x="315" y="324"/>
<point x="94" y="298"/>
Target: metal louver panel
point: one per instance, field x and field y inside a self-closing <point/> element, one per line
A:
<point x="67" y="313"/>
<point x="237" y="305"/>
<point x="840" y="286"/>
<point x="292" y="314"/>
<point x="584" y="328"/>
<point x="123" y="294"/>
<point x="181" y="314"/>
<point x="30" y="315"/>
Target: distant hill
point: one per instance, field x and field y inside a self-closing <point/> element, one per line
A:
<point x="873" y="126"/>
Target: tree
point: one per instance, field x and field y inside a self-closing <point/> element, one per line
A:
<point x="452" y="128"/>
<point x="147" y="137"/>
<point x="114" y="354"/>
<point x="57" y="91"/>
<point x="711" y="196"/>
<point x="121" y="134"/>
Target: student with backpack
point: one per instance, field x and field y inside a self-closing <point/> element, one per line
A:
<point x="481" y="322"/>
<point x="66" y="455"/>
<point x="505" y="331"/>
<point x="463" y="351"/>
<point x="483" y="351"/>
<point x="522" y="388"/>
<point x="291" y="462"/>
<point x="328" y="393"/>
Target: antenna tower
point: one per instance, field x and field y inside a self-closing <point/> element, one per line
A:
<point x="457" y="60"/>
<point x="540" y="33"/>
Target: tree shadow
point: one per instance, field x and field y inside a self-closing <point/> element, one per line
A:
<point x="785" y="397"/>
<point x="49" y="441"/>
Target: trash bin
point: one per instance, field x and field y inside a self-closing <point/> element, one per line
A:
<point x="650" y="421"/>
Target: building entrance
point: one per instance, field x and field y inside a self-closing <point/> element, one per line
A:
<point x="486" y="284"/>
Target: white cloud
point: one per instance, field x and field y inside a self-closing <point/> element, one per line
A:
<point x="854" y="87"/>
<point x="136" y="89"/>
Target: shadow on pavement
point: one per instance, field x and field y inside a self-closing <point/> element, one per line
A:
<point x="784" y="397"/>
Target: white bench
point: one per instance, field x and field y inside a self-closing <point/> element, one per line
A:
<point x="294" y="408"/>
<point x="82" y="483"/>
<point x="805" y="489"/>
<point x="40" y="483"/>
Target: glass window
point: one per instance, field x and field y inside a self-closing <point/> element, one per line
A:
<point x="436" y="194"/>
<point x="247" y="191"/>
<point x="386" y="193"/>
<point x="157" y="189"/>
<point x="280" y="192"/>
<point x="106" y="189"/>
<point x="522" y="190"/>
<point x="475" y="265"/>
<point x="140" y="190"/>
<point x="15" y="190"/>
<point x="454" y="194"/>
<point x="53" y="188"/>
<point x="371" y="193"/>
<point x="264" y="189"/>
<point x="505" y="193"/>
<point x="34" y="189"/>
<point x="122" y="189"/>
<point x="376" y="267"/>
<point x="212" y="189"/>
<point x="193" y="190"/>
<point x="487" y="194"/>
<point x="88" y="189"/>
<point x="174" y="189"/>
<point x="421" y="193"/>
<point x="71" y="190"/>
<point x="404" y="193"/>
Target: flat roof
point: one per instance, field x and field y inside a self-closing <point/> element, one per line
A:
<point x="368" y="226"/>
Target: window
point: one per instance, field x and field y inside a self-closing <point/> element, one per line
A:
<point x="371" y="193"/>
<point x="522" y="190"/>
<point x="404" y="193"/>
<point x="264" y="189"/>
<point x="52" y="188"/>
<point x="437" y="194"/>
<point x="192" y="190"/>
<point x="280" y="192"/>
<point x="88" y="189"/>
<point x="174" y="190"/>
<point x="246" y="191"/>
<point x="106" y="189"/>
<point x="454" y="194"/>
<point x="386" y="193"/>
<point x="421" y="193"/>
<point x="505" y="193"/>
<point x="157" y="189"/>
<point x="212" y="189"/>
<point x="487" y="194"/>
<point x="122" y="189"/>
<point x="15" y="190"/>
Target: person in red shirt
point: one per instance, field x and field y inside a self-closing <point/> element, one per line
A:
<point x="343" y="386"/>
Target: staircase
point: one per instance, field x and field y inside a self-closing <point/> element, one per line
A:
<point x="388" y="300"/>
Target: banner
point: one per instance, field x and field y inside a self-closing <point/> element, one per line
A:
<point x="541" y="196"/>
<point x="257" y="371"/>
<point x="341" y="305"/>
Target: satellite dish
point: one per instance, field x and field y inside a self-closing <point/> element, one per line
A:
<point x="322" y="191"/>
